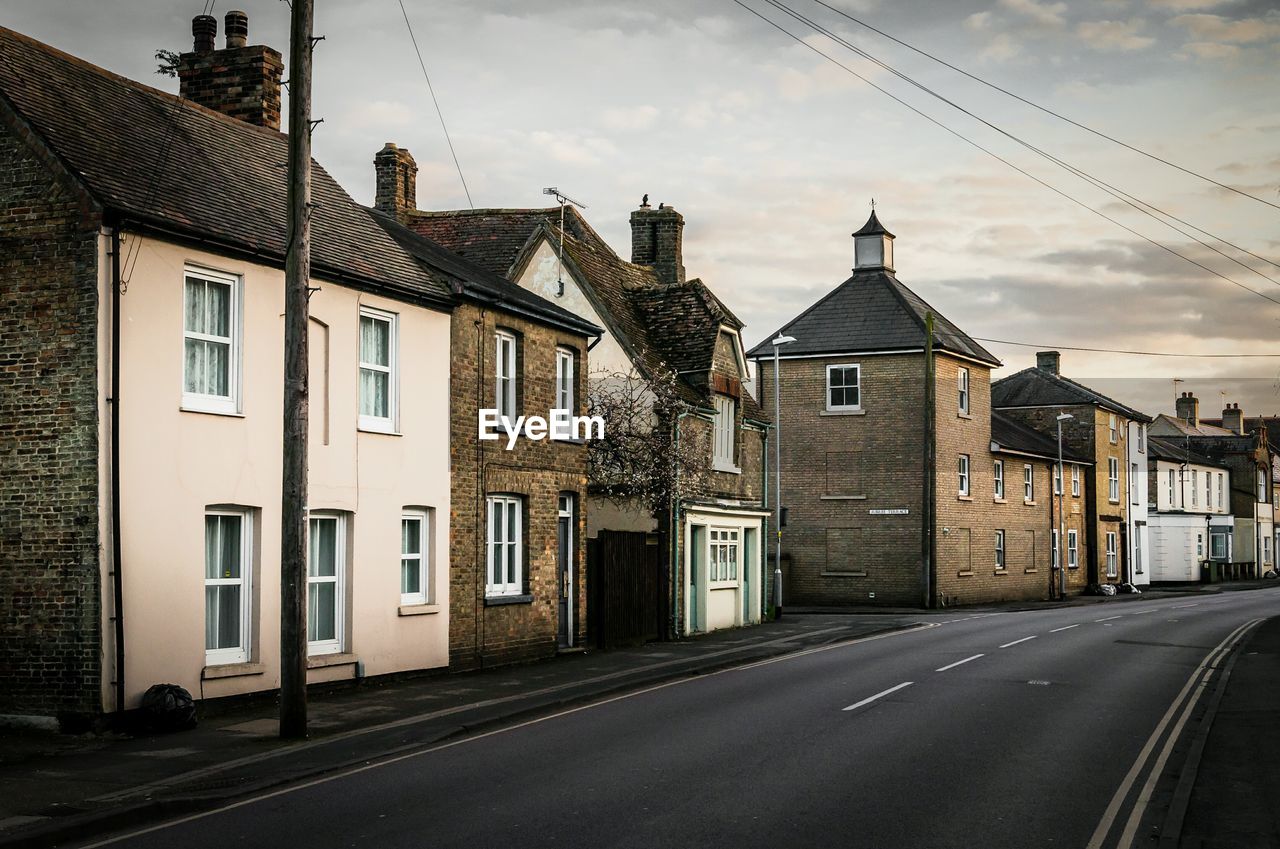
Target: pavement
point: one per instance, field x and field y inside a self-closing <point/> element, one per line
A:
<point x="56" y="789"/>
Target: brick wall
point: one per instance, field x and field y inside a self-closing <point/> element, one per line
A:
<point x="50" y="629"/>
<point x="482" y="633"/>
<point x="242" y="82"/>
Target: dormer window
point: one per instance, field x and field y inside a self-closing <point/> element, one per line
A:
<point x="873" y="246"/>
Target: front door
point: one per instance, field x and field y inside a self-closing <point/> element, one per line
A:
<point x="564" y="568"/>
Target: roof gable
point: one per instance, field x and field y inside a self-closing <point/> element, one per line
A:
<point x="872" y="311"/>
<point x="1035" y="387"/>
<point x="166" y="163"/>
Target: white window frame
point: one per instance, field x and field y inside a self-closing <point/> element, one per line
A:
<point x="1173" y="490"/>
<point x="724" y="556"/>
<point x="1113" y="480"/>
<point x="1113" y="425"/>
<point x="1057" y="479"/>
<point x="1221" y="502"/>
<point x="506" y="394"/>
<point x="1075" y="481"/>
<point x="338" y="579"/>
<point x="1133" y="483"/>
<point x="228" y="404"/>
<point x="1000" y="549"/>
<point x="497" y="545"/>
<point x="1028" y="483"/>
<point x="1266" y="550"/>
<point x="390" y="422"/>
<point x="426" y="533"/>
<point x="724" y="427"/>
<point x="1216" y="537"/>
<point x="566" y="372"/>
<point x="242" y="652"/>
<point x="1195" y="488"/>
<point x="1054" y="556"/>
<point x="1262" y="487"/>
<point x="962" y="387"/>
<point x="1142" y="439"/>
<point x="962" y="474"/>
<point x="998" y="476"/>
<point x="1208" y="490"/>
<point x="1073" y="548"/>
<point x="856" y="386"/>
<point x="1112" y="555"/>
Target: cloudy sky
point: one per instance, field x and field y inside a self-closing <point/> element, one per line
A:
<point x="773" y="154"/>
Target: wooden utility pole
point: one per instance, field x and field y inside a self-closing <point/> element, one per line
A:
<point x="293" y="502"/>
<point x="928" y="512"/>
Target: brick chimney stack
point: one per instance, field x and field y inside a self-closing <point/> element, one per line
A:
<point x="1233" y="419"/>
<point x="1048" y="361"/>
<point x="240" y="80"/>
<point x="656" y="236"/>
<point x="396" y="190"/>
<point x="1188" y="409"/>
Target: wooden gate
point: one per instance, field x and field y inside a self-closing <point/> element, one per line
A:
<point x="625" y="588"/>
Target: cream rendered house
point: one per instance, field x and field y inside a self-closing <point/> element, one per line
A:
<point x="147" y="277"/>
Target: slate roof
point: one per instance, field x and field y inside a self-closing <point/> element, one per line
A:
<point x="871" y="311"/>
<point x="1011" y="435"/>
<point x="165" y="163"/>
<point x="1167" y="425"/>
<point x="1035" y="387"/>
<point x="1271" y="423"/>
<point x="1178" y="451"/>
<point x="662" y="327"/>
<point x="479" y="284"/>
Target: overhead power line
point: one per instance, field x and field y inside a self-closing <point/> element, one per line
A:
<point x="1048" y="347"/>
<point x="439" y="113"/>
<point x="1045" y="109"/>
<point x="999" y="158"/>
<point x="1150" y="210"/>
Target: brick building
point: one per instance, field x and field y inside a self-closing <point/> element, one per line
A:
<point x="517" y="549"/>
<point x="658" y="324"/>
<point x="142" y="251"/>
<point x="870" y="518"/>
<point x="1100" y="428"/>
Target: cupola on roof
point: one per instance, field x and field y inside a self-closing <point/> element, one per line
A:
<point x="873" y="245"/>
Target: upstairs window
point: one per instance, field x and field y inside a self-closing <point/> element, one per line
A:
<point x="1057" y="479"/>
<point x="1173" y="490"/>
<point x="1221" y="503"/>
<point x="962" y="474"/>
<point x="1133" y="484"/>
<point x="565" y="375"/>
<point x="722" y="437"/>
<point x="1028" y="483"/>
<point x="999" y="479"/>
<point x="844" y="391"/>
<point x="1114" y="425"/>
<point x="1113" y="479"/>
<point x="1195" y="488"/>
<point x="211" y="342"/>
<point x="378" y="377"/>
<point x="1075" y="481"/>
<point x="1142" y="438"/>
<point x="505" y="376"/>
<point x="962" y="379"/>
<point x="1262" y="486"/>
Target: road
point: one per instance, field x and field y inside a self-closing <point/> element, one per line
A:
<point x="1030" y="729"/>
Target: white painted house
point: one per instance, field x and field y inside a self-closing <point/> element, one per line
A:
<point x="1139" y="536"/>
<point x="1189" y="511"/>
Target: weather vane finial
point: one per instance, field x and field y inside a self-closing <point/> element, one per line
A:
<point x="873" y="204"/>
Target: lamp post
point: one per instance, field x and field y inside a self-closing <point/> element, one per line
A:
<point x="1062" y="518"/>
<point x="778" y="342"/>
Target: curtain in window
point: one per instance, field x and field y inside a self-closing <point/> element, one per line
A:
<point x="207" y="322"/>
<point x="375" y="367"/>
<point x="222" y="582"/>
<point x="322" y="595"/>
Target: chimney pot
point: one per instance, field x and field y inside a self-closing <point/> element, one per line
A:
<point x="1048" y="361"/>
<point x="237" y="27"/>
<point x="1233" y="419"/>
<point x="205" y="30"/>
<point x="1188" y="409"/>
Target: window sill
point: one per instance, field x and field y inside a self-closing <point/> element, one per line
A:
<point x="856" y="412"/>
<point x="842" y="498"/>
<point x="727" y="468"/>
<point x="999" y="501"/>
<point x="964" y="573"/>
<point x="384" y="431"/>
<point x="568" y="440"/>
<point x="964" y="415"/>
<point x="1031" y="503"/>
<point x="856" y="574"/>
<point x="1000" y="572"/>
<point x="498" y="600"/>
<point x="417" y="609"/>
<point x="1032" y="570"/>
<point x="320" y="661"/>
<point x="231" y="414"/>
<point x="964" y="498"/>
<point x="231" y="670"/>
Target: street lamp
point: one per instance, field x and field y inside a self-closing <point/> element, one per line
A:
<point x="1062" y="518"/>
<point x="778" y="342"/>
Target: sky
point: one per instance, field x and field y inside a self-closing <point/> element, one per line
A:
<point x="773" y="153"/>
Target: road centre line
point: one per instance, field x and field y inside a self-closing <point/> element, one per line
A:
<point x="1015" y="642"/>
<point x="1109" y="816"/>
<point x="957" y="663"/>
<point x="879" y="695"/>
<point x="1065" y="628"/>
<point x="1108" y="619"/>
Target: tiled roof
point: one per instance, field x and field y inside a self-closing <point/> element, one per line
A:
<point x="166" y="163"/>
<point x="1271" y="423"/>
<point x="480" y="284"/>
<point x="1179" y="451"/>
<point x="1012" y="435"/>
<point x="662" y="327"/>
<point x="871" y="311"/>
<point x="1035" y="387"/>
<point x="1167" y="425"/>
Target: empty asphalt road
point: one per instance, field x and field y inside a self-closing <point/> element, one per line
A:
<point x="1033" y="729"/>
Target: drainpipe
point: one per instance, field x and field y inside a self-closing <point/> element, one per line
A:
<point x="764" y="536"/>
<point x="674" y="520"/>
<point x="117" y="579"/>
